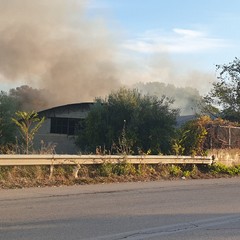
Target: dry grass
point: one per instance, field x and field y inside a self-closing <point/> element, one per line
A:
<point x="38" y="176"/>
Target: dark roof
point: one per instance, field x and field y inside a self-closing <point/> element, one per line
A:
<point x="85" y="106"/>
<point x="183" y="119"/>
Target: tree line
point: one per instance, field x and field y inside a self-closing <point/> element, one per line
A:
<point x="130" y="122"/>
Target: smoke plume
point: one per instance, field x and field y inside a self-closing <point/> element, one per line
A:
<point x="54" y="46"/>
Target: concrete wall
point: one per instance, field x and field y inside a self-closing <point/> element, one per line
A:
<point x="56" y="143"/>
<point x="227" y="157"/>
<point x="60" y="143"/>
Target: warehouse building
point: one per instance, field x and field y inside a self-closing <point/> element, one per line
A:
<point x="59" y="128"/>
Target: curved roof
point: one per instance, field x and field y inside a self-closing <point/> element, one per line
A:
<point x="74" y="110"/>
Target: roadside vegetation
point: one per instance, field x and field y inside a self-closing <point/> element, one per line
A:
<point x="38" y="176"/>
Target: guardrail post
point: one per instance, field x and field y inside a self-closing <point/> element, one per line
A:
<point x="75" y="170"/>
<point x="51" y="171"/>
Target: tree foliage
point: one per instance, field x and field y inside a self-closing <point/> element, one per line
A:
<point x="23" y="98"/>
<point x="224" y="98"/>
<point x="147" y="122"/>
<point x="8" y="107"/>
<point x="192" y="136"/>
<point x="28" y="124"/>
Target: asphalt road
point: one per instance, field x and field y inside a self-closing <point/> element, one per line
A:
<point x="166" y="210"/>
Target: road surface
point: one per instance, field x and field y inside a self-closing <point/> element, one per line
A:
<point x="166" y="210"/>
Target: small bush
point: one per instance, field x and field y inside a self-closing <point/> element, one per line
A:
<point x="223" y="169"/>
<point x="124" y="169"/>
<point x="175" y="170"/>
<point x="64" y="171"/>
<point x="219" y="168"/>
<point x="105" y="169"/>
<point x="186" y="174"/>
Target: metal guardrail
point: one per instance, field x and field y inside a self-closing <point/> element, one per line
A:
<point x="26" y="160"/>
<point x="77" y="160"/>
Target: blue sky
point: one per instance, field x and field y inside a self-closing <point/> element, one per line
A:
<point x="193" y="35"/>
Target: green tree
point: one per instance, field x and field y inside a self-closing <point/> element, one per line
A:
<point x="8" y="107"/>
<point x="28" y="124"/>
<point x="21" y="98"/>
<point x="92" y="133"/>
<point x="224" y="98"/>
<point x="148" y="123"/>
<point x="191" y="137"/>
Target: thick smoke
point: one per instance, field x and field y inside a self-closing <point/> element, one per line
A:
<point x="54" y="46"/>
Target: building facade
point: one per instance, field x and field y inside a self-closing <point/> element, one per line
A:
<point x="59" y="129"/>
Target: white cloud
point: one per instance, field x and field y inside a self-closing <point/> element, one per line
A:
<point x="188" y="33"/>
<point x="177" y="41"/>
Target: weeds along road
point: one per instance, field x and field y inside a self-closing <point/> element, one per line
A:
<point x="191" y="209"/>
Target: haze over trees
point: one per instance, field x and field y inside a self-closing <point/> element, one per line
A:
<point x="29" y="98"/>
<point x="185" y="98"/>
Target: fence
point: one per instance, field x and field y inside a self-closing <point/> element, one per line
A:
<point x="223" y="137"/>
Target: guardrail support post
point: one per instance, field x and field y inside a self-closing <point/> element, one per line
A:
<point x="51" y="171"/>
<point x="75" y="170"/>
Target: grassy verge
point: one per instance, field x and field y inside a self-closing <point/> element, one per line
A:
<point x="38" y="176"/>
